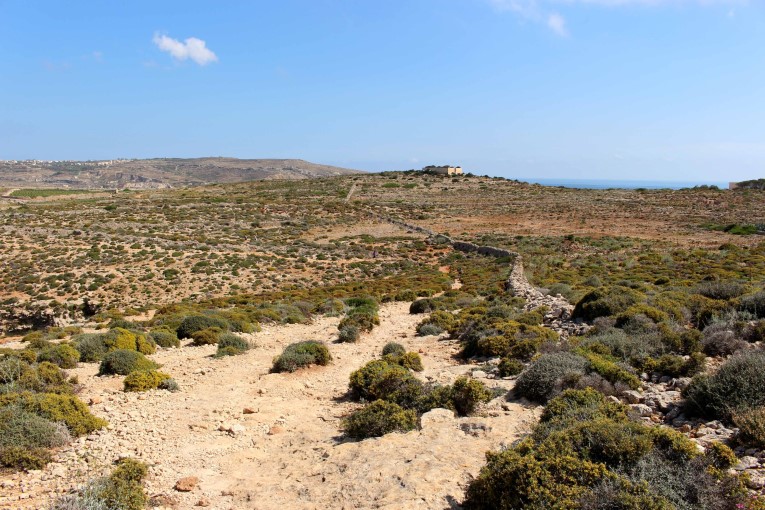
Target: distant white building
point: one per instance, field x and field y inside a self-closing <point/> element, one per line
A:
<point x="444" y="170"/>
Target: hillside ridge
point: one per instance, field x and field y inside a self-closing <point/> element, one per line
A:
<point x="157" y="172"/>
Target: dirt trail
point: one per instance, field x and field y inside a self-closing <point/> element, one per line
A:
<point x="288" y="452"/>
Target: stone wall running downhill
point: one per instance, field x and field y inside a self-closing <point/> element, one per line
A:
<point x="558" y="318"/>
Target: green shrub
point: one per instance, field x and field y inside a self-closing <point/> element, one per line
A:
<point x="301" y="354"/>
<point x="122" y="362"/>
<point x="545" y="377"/>
<point x="467" y="393"/>
<point x="410" y="360"/>
<point x="120" y="338"/>
<point x="587" y="454"/>
<point x="610" y="371"/>
<point x="576" y="406"/>
<point x="123" y="488"/>
<point x="22" y="428"/>
<point x="63" y="355"/>
<point x="349" y="334"/>
<point x="194" y="323"/>
<point x="144" y="380"/>
<point x="510" y="367"/>
<point x="421" y="306"/>
<point x="24" y="458"/>
<point x="654" y="314"/>
<point x="18" y="375"/>
<point x="751" y="425"/>
<point x="231" y="345"/>
<point x="563" y="289"/>
<point x="169" y="385"/>
<point x="429" y="329"/>
<point x="513" y="479"/>
<point x="605" y="302"/>
<point x="736" y="387"/>
<point x="209" y="336"/>
<point x="673" y="365"/>
<point x="361" y="320"/>
<point x="394" y="349"/>
<point x="91" y="347"/>
<point x="380" y="380"/>
<point x="722" y="290"/>
<point x="754" y="304"/>
<point x="62" y="408"/>
<point x="379" y="418"/>
<point x="165" y="338"/>
<point x="33" y="336"/>
<point x="436" y="323"/>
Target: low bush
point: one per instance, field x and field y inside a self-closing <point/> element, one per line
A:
<point x="722" y="290"/>
<point x="751" y="425"/>
<point x="546" y="377"/>
<point x="429" y="329"/>
<point x="394" y="349"/>
<point x="165" y="338"/>
<point x="563" y="289"/>
<point x="18" y="375"/>
<point x="379" y="418"/>
<point x="120" y="338"/>
<point x="611" y="371"/>
<point x="301" y="354"/>
<point x="381" y="380"/>
<point x="194" y="323"/>
<point x="62" y="355"/>
<point x="24" y="458"/>
<point x="90" y="346"/>
<point x="735" y="388"/>
<point x="349" y="334"/>
<point x="410" y="360"/>
<point x="467" y="393"/>
<point x="605" y="302"/>
<point x="209" y="336"/>
<point x="754" y="304"/>
<point x="438" y="322"/>
<point x="720" y="339"/>
<point x="144" y="380"/>
<point x="673" y="365"/>
<point x="230" y="344"/>
<point x="169" y="385"/>
<point x="20" y="428"/>
<point x="587" y="454"/>
<point x="122" y="362"/>
<point x="61" y="408"/>
<point x="121" y="490"/>
<point x="509" y="367"/>
<point x="421" y="306"/>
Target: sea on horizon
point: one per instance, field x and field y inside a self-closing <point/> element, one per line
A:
<point x="620" y="184"/>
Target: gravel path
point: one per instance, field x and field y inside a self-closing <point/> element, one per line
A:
<point x="260" y="440"/>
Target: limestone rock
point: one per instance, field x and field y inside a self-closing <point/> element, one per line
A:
<point x="186" y="484"/>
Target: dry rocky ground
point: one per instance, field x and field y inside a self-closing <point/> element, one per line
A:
<point x="258" y="440"/>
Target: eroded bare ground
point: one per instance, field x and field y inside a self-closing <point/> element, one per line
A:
<point x="287" y="451"/>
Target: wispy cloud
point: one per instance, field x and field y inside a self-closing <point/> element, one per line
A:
<point x="543" y="11"/>
<point x="192" y="48"/>
<point x="557" y="24"/>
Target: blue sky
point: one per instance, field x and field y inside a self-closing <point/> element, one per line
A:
<point x="621" y="89"/>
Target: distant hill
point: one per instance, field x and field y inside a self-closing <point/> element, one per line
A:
<point x="156" y="173"/>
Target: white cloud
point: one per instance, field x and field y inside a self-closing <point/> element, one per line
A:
<point x="557" y="24"/>
<point x="192" y="48"/>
